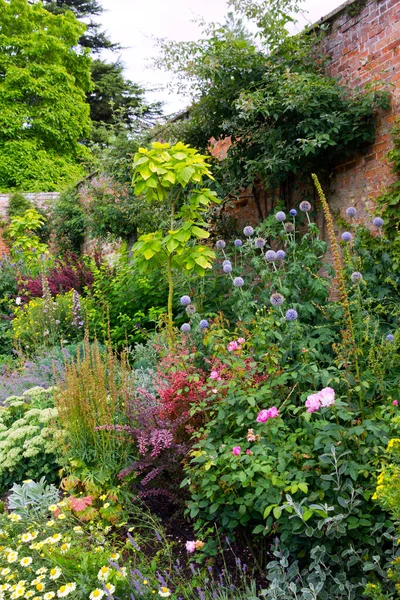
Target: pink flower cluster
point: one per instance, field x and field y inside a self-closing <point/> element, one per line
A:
<point x="215" y="375"/>
<point x="235" y="344"/>
<point x="322" y="399"/>
<point x="194" y="545"/>
<point x="269" y="413"/>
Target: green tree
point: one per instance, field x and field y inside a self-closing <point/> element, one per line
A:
<point x="43" y="112"/>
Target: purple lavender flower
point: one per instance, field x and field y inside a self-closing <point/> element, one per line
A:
<point x="227" y="268"/>
<point x="248" y="231"/>
<point x="280" y="255"/>
<point x="390" y="337"/>
<point x="277" y="299"/>
<point x="185" y="328"/>
<point x="201" y="594"/>
<point x="77" y="320"/>
<point x="356" y="276"/>
<point x="185" y="300"/>
<point x="291" y="314"/>
<point x="351" y="211"/>
<point x="293" y="212"/>
<point x="378" y="222"/>
<point x="305" y="206"/>
<point x="238" y="243"/>
<point x="280" y="216"/>
<point x="190" y="309"/>
<point x="270" y="255"/>
<point x="346" y="236"/>
<point x="238" y="282"/>
<point x="259" y="243"/>
<point x="220" y="244"/>
<point x="203" y="324"/>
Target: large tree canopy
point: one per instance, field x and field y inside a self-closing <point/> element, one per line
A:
<point x="44" y="79"/>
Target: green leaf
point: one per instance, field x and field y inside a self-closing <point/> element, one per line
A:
<point x="200" y="233"/>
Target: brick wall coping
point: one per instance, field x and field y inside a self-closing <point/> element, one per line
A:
<point x="333" y="13"/>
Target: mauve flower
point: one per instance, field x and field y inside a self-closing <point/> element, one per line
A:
<point x="351" y="211"/>
<point x="185" y="328"/>
<point x="238" y="282"/>
<point x="289" y="227"/>
<point x="203" y="324"/>
<point x="273" y="412"/>
<point x="214" y="375"/>
<point x="270" y="255"/>
<point x="378" y="222"/>
<point x="236" y="450"/>
<point x="232" y="346"/>
<point x="190" y="309"/>
<point x="346" y="236"/>
<point x="185" y="300"/>
<point x="248" y="231"/>
<point x="220" y="244"/>
<point x="291" y="314"/>
<point x="390" y="337"/>
<point x="395" y="402"/>
<point x="262" y="416"/>
<point x="356" y="276"/>
<point x="280" y="216"/>
<point x="227" y="268"/>
<point x="313" y="403"/>
<point x="190" y="546"/>
<point x="248" y="451"/>
<point x="305" y="206"/>
<point x="241" y="340"/>
<point x="238" y="243"/>
<point x="280" y="255"/>
<point x="259" y="243"/>
<point x="327" y="396"/>
<point x="293" y="212"/>
<point x="277" y="299"/>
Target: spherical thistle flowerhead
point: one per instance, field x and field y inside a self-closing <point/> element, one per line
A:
<point x="270" y="255"/>
<point x="238" y="243"/>
<point x="277" y="299"/>
<point x="185" y="328"/>
<point x="390" y="337"/>
<point x="346" y="236"/>
<point x="293" y="212"/>
<point x="190" y="309"/>
<point x="226" y="262"/>
<point x="238" y="282"/>
<point x="220" y="244"/>
<point x="351" y="211"/>
<point x="227" y="268"/>
<point x="378" y="222"/>
<point x="280" y="216"/>
<point x="291" y="314"/>
<point x="289" y="227"/>
<point x="259" y="243"/>
<point x="305" y="206"/>
<point x="280" y="255"/>
<point x="185" y="300"/>
<point x="248" y="231"/>
<point x="356" y="276"/>
<point x="203" y="324"/>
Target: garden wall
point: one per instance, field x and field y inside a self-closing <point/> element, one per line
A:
<point x="363" y="43"/>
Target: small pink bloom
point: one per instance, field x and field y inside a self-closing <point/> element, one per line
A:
<point x="273" y="412"/>
<point x="262" y="416"/>
<point x="190" y="546"/>
<point x="214" y="375"/>
<point x="304" y="350"/>
<point x="236" y="450"/>
<point x="395" y="402"/>
<point x="313" y="403"/>
<point x="233" y="346"/>
<point x="215" y="391"/>
<point x="248" y="452"/>
<point x="327" y="396"/>
<point x="241" y="341"/>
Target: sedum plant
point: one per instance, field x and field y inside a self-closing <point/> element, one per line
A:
<point x="174" y="174"/>
<point x="32" y="498"/>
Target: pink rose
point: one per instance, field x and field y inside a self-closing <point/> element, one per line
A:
<point x="232" y="346"/>
<point x="313" y="403"/>
<point x="241" y="341"/>
<point x="249" y="452"/>
<point x="273" y="412"/>
<point x="395" y="402"/>
<point x="236" y="450"/>
<point x="190" y="546"/>
<point x="214" y="375"/>
<point x="327" y="396"/>
<point x="262" y="416"/>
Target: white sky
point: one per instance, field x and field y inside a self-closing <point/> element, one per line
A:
<point x="133" y="24"/>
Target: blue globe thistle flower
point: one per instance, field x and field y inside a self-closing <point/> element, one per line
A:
<point x="220" y="244"/>
<point x="185" y="300"/>
<point x="259" y="243"/>
<point x="185" y="328"/>
<point x="227" y="268"/>
<point x="280" y="216"/>
<point x="356" y="276"/>
<point x="277" y="299"/>
<point x="293" y="212"/>
<point x="226" y="262"/>
<point x="378" y="222"/>
<point x="346" y="236"/>
<point x="203" y="324"/>
<point x="291" y="314"/>
<point x="238" y="243"/>
<point x="270" y="255"/>
<point x="248" y="231"/>
<point x="190" y="309"/>
<point x="305" y="206"/>
<point x="351" y="211"/>
<point x="280" y="255"/>
<point x="238" y="282"/>
<point x="390" y="337"/>
<point x="289" y="227"/>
